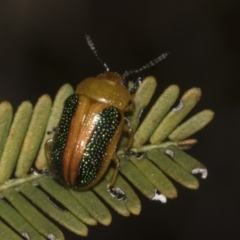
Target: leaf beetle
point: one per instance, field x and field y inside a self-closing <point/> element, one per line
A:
<point x="90" y="127"/>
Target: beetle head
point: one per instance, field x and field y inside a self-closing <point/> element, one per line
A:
<point x="114" y="77"/>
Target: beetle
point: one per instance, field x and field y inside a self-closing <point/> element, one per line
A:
<point x="90" y="127"/>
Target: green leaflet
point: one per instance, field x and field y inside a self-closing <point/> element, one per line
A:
<point x="62" y="195"/>
<point x="93" y="205"/>
<point x="6" y="114"/>
<point x="172" y="169"/>
<point x="14" y="141"/>
<point x="31" y="216"/>
<point x="192" y="125"/>
<point x="162" y="136"/>
<point x="8" y="233"/>
<point x="176" y="115"/>
<point x="133" y="203"/>
<point x="16" y="220"/>
<point x="34" y="135"/>
<point x="155" y="115"/>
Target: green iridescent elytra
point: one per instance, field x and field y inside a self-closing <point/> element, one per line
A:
<point x="92" y="158"/>
<point x="89" y="130"/>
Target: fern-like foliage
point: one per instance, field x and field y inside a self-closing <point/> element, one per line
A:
<point x="161" y="137"/>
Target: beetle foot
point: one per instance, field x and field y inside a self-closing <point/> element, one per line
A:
<point x="127" y="121"/>
<point x="137" y="155"/>
<point x="44" y="171"/>
<point x="54" y="129"/>
<point x="118" y="193"/>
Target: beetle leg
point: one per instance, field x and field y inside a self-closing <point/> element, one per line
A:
<point x="130" y="107"/>
<point x="47" y="147"/>
<point x="129" y="130"/>
<point x="116" y="192"/>
<point x="54" y="129"/>
<point x="127" y="121"/>
<point x="114" y="177"/>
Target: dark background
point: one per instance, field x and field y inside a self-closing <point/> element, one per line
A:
<point x="42" y="46"/>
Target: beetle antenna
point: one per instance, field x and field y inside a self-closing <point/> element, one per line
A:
<point x="146" y="66"/>
<point x="94" y="50"/>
